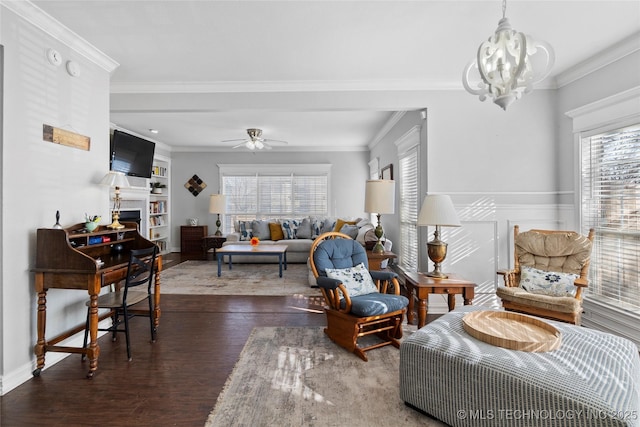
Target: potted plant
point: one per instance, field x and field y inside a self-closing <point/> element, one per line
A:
<point x="156" y="187"/>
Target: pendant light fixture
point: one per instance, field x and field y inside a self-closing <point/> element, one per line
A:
<point x="509" y="63"/>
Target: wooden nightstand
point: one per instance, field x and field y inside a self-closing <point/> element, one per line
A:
<point x="212" y="242"/>
<point x="376" y="259"/>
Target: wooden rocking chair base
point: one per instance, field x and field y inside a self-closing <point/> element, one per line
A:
<point x="573" y="318"/>
<point x="344" y="330"/>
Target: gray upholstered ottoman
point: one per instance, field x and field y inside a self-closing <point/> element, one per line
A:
<point x="593" y="379"/>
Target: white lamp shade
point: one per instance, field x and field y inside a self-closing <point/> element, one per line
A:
<point x="437" y="209"/>
<point x="115" y="179"/>
<point x="217" y="203"/>
<point x="380" y="196"/>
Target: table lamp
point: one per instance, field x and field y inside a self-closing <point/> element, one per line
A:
<point x="379" y="198"/>
<point x="437" y="210"/>
<point x="115" y="180"/>
<point x="217" y="205"/>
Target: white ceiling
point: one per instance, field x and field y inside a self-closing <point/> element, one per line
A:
<point x="319" y="74"/>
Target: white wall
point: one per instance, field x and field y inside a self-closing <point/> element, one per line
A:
<point x="40" y="177"/>
<point x="490" y="162"/>
<point x="349" y="172"/>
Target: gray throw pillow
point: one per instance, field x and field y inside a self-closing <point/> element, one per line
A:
<point x="304" y="229"/>
<point x="260" y="229"/>
<point x="327" y="225"/>
<point x="350" y="230"/>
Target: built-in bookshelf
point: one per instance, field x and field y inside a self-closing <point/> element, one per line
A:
<point x="159" y="203"/>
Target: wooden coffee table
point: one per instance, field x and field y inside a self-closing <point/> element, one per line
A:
<point x="419" y="286"/>
<point x="277" y="250"/>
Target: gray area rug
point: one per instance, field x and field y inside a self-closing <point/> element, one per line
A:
<point x="298" y="377"/>
<point x="201" y="277"/>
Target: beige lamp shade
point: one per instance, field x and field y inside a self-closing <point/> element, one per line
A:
<point x="380" y="196"/>
<point x="115" y="179"/>
<point x="437" y="209"/>
<point x="217" y="203"/>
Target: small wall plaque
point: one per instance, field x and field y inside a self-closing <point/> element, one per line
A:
<point x="65" y="137"/>
<point x="195" y="185"/>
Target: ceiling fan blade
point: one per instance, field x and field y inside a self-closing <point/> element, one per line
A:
<point x="276" y="141"/>
<point x="239" y="145"/>
<point x="233" y="140"/>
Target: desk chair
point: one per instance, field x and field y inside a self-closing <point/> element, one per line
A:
<point x="140" y="272"/>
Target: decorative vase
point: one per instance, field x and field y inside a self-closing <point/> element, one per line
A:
<point x="90" y="226"/>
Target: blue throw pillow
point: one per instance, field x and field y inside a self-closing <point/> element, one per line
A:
<point x="245" y="231"/>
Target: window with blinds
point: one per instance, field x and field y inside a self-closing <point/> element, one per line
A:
<point x="610" y="185"/>
<point x="267" y="195"/>
<point x="408" y="257"/>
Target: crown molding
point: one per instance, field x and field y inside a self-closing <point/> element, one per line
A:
<point x="209" y="149"/>
<point x="45" y="22"/>
<point x="386" y="128"/>
<point x="613" y="53"/>
<point x="280" y="86"/>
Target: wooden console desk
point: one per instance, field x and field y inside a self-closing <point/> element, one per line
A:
<point x="68" y="259"/>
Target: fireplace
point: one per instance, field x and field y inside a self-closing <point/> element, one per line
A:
<point x="130" y="215"/>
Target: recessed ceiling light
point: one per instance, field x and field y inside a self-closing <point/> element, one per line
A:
<point x="153" y="130"/>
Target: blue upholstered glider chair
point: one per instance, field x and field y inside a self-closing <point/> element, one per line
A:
<point x="359" y="302"/>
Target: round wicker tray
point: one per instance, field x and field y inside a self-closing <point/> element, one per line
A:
<point x="512" y="330"/>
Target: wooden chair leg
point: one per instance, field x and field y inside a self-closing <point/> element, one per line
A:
<point x="86" y="335"/>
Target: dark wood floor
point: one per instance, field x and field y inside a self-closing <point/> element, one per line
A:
<point x="172" y="382"/>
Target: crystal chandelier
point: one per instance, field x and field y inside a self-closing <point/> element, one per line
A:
<point x="509" y="63"/>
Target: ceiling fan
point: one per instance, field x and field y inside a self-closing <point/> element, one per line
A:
<point x="255" y="141"/>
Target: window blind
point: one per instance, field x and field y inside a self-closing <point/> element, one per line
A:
<point x="273" y="195"/>
<point x="408" y="257"/>
<point x="610" y="188"/>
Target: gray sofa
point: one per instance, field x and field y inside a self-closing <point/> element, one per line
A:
<point x="297" y="235"/>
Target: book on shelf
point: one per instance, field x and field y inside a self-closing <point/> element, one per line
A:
<point x="158" y="207"/>
<point x="157" y="221"/>
<point x="160" y="171"/>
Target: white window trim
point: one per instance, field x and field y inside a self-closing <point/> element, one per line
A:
<point x="278" y="169"/>
<point x="407" y="142"/>
<point x="616" y="111"/>
<point x="306" y="169"/>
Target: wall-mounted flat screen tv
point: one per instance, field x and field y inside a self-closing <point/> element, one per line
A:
<point x="131" y="155"/>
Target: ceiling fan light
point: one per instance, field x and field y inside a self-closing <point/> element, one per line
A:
<point x="259" y="145"/>
<point x="250" y="145"/>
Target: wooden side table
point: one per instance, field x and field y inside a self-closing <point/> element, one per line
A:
<point x="212" y="242"/>
<point x="375" y="260"/>
<point x="419" y="286"/>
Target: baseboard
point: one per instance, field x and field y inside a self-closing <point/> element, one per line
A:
<point x="612" y="320"/>
<point x="24" y="373"/>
